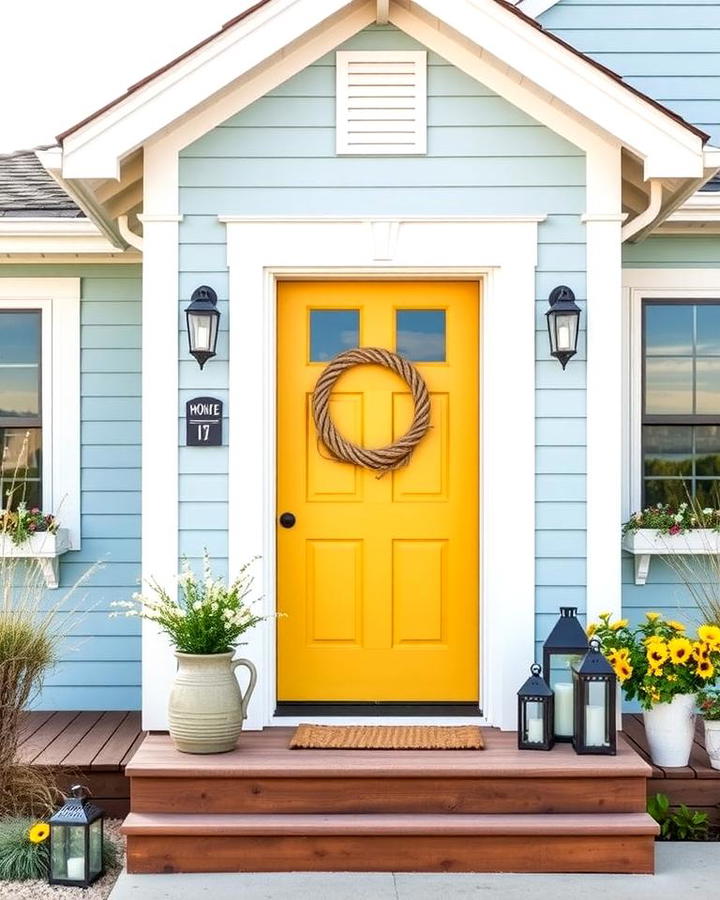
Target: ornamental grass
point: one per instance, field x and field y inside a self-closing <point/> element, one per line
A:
<point x="655" y="660"/>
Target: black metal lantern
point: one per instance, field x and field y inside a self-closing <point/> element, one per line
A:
<point x="535" y="713"/>
<point x="563" y="321"/>
<point x="595" y="700"/>
<point x="76" y="841"/>
<point x="566" y="644"/>
<point x="202" y="324"/>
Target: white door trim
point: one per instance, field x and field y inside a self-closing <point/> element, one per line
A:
<point x="500" y="252"/>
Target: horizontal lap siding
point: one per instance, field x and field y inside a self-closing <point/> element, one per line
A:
<point x="484" y="157"/>
<point x="99" y="665"/>
<point x="668" y="50"/>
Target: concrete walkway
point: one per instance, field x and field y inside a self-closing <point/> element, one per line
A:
<point x="683" y="870"/>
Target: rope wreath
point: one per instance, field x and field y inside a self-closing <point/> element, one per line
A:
<point x="395" y="455"/>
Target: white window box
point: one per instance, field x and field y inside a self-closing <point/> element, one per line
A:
<point x="44" y="548"/>
<point x="648" y="542"/>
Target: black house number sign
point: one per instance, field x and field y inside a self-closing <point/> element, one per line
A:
<point x="204" y="422"/>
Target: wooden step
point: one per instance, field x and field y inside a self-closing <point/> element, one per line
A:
<point x="395" y="842"/>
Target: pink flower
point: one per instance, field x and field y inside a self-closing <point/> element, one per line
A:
<point x="34" y="510"/>
<point x="675" y="529"/>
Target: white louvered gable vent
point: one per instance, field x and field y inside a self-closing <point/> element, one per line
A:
<point x="381" y="101"/>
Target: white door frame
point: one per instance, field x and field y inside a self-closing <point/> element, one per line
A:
<point x="502" y="253"/>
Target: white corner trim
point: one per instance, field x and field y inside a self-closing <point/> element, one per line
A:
<point x="59" y="301"/>
<point x="535" y="8"/>
<point x="382" y="12"/>
<point x="52" y="235"/>
<point x="500" y="253"/>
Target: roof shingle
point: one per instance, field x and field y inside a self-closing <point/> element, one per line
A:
<point x="26" y="189"/>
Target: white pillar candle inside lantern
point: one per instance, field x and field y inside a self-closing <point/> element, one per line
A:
<point x="76" y="868"/>
<point x="595" y="726"/>
<point x="563" y="709"/>
<point x="563" y="337"/>
<point x="535" y="730"/>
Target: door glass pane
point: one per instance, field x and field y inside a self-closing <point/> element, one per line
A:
<point x="708" y="329"/>
<point x="20" y="364"/>
<point x="421" y="334"/>
<point x="667" y="450"/>
<point x="668" y="386"/>
<point x="707" y="449"/>
<point x="668" y="329"/>
<point x="20" y="467"/>
<point x="707" y="386"/>
<point x="332" y="331"/>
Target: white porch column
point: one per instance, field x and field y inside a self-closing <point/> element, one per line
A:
<point x="603" y="221"/>
<point x="159" y="414"/>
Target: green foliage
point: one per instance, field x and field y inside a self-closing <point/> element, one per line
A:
<point x="20" y="859"/>
<point x="208" y="617"/>
<point x="667" y="519"/>
<point x="709" y="705"/>
<point x="682" y="824"/>
<point x="22" y="523"/>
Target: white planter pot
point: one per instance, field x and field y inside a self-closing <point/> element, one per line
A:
<point x="712" y="742"/>
<point x="647" y="542"/>
<point x="43" y="547"/>
<point x="670" y="729"/>
<point x="206" y="708"/>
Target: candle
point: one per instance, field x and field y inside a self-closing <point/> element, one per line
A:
<point x="203" y="337"/>
<point x="535" y="731"/>
<point x="76" y="868"/>
<point x="563" y="334"/>
<point x="595" y="726"/>
<point x="563" y="709"/>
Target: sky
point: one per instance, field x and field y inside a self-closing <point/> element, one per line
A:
<point x="60" y="60"/>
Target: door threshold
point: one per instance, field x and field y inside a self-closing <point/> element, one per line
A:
<point x="294" y="709"/>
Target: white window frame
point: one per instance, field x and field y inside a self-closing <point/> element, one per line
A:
<point x="639" y="285"/>
<point x="343" y="59"/>
<point x="58" y="299"/>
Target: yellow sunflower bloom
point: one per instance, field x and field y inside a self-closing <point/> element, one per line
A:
<point x="39" y="832"/>
<point x="657" y="653"/>
<point x="710" y="634"/>
<point x="676" y="626"/>
<point x="623" y="670"/>
<point x="621" y="623"/>
<point x="700" y="650"/>
<point x="652" y="616"/>
<point x="623" y="654"/>
<point x="591" y="629"/>
<point x="705" y="669"/>
<point x="653" y="639"/>
<point x="604" y="615"/>
<point x="680" y="650"/>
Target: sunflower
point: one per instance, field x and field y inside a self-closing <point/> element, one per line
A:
<point x="623" y="670"/>
<point x="38" y="832"/>
<point x="700" y="651"/>
<point x="657" y="653"/>
<point x="652" y="616"/>
<point x="710" y="634"/>
<point x="705" y="669"/>
<point x="680" y="650"/>
<point x="623" y="654"/>
<point x="621" y="623"/>
<point x="652" y="639"/>
<point x="591" y="629"/>
<point x="676" y="626"/>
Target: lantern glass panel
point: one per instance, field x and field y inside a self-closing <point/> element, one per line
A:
<point x="565" y="326"/>
<point x="595" y="705"/>
<point x="203" y="330"/>
<point x="67" y="861"/>
<point x="560" y="680"/>
<point x="96" y="848"/>
<point x="533" y="730"/>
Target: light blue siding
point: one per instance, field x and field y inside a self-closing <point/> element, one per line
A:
<point x="674" y="252"/>
<point x="484" y="157"/>
<point x="668" y="50"/>
<point x="99" y="664"/>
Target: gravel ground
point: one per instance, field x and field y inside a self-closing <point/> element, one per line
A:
<point x="41" y="890"/>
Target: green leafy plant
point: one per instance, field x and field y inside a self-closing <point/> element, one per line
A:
<point x="668" y="519"/>
<point x="709" y="705"/>
<point x="23" y="523"/>
<point x="207" y="617"/>
<point x="681" y="824"/>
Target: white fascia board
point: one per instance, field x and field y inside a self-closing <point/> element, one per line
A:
<point x="95" y="150"/>
<point x="535" y="8"/>
<point x="669" y="149"/>
<point x="52" y="235"/>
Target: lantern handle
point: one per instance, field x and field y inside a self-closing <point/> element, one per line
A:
<point x="79" y="791"/>
<point x="594" y="644"/>
<point x="535" y="669"/>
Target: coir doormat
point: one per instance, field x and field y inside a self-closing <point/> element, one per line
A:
<point x="387" y="737"/>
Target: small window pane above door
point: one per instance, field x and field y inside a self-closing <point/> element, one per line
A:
<point x="332" y="331"/>
<point x="421" y="334"/>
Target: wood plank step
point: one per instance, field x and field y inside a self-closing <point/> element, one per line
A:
<point x="460" y="824"/>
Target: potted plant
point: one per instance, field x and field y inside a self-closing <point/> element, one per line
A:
<point x="32" y="534"/>
<point x="664" y="670"/>
<point x="204" y="623"/>
<point x="709" y="705"/>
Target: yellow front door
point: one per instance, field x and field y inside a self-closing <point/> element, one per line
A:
<point x="378" y="576"/>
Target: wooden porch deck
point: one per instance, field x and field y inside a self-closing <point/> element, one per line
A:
<point x="91" y="748"/>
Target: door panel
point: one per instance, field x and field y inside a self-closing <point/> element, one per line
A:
<point x="378" y="579"/>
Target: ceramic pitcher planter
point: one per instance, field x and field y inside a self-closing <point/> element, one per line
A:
<point x="712" y="742"/>
<point x="207" y="708"/>
<point x="670" y="729"/>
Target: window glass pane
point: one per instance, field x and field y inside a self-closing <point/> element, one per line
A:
<point x="668" y="386"/>
<point x="421" y="334"/>
<point x="332" y="331"/>
<point x="667" y="450"/>
<point x="707" y="449"/>
<point x="707" y="386"/>
<point x="668" y="329"/>
<point x="21" y="467"/>
<point x="672" y="491"/>
<point x="708" y="329"/>
<point x="707" y="492"/>
<point x="20" y="364"/>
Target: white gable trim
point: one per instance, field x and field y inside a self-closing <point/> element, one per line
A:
<point x="559" y="76"/>
<point x="535" y="8"/>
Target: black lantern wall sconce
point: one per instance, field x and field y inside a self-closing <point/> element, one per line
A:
<point x="563" y="321"/>
<point x="203" y="319"/>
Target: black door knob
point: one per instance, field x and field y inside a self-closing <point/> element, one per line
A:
<point x="287" y="520"/>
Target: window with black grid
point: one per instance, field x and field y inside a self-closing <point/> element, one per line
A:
<point x="20" y="407"/>
<point x="681" y="402"/>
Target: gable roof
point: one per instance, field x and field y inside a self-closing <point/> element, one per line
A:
<point x="516" y="10"/>
<point x="27" y="189"/>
